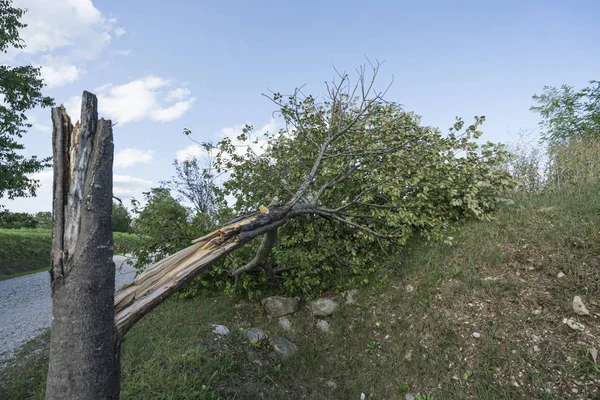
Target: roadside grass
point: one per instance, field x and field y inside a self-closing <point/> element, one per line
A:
<point x="413" y="331"/>
<point x="27" y="251"/>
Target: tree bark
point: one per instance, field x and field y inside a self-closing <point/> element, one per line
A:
<point x="83" y="352"/>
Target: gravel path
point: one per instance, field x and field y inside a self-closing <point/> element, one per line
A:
<point x="26" y="307"/>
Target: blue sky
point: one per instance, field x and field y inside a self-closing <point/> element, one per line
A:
<point x="159" y="66"/>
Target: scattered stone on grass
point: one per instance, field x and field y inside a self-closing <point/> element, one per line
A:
<point x="256" y="335"/>
<point x="279" y="306"/>
<point x="476" y="335"/>
<point x="576" y="326"/>
<point x="350" y="296"/>
<point x="579" y="307"/>
<point x="561" y="275"/>
<point x="282" y="347"/>
<point x="409" y="396"/>
<point x="220" y="330"/>
<point x="408" y="355"/>
<point x="331" y="385"/>
<point x="410" y="288"/>
<point x="285" y="323"/>
<point x="323" y="326"/>
<point x="323" y="307"/>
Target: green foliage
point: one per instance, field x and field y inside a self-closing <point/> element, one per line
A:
<point x="10" y="220"/>
<point x="374" y="175"/>
<point x="568" y="114"/>
<point x="44" y="219"/>
<point x="121" y="221"/>
<point x="20" y="90"/>
<point x="164" y="226"/>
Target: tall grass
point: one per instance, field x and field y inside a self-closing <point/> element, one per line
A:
<point x="540" y="166"/>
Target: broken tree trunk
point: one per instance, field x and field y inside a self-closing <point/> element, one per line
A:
<point x="83" y="357"/>
<point x="162" y="279"/>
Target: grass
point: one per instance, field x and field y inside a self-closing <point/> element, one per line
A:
<point x="499" y="280"/>
<point x="27" y="251"/>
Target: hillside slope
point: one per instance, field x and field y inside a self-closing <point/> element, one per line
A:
<point x="482" y="319"/>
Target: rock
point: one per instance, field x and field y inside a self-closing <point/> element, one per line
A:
<point x="476" y="335"/>
<point x="408" y="355"/>
<point x="323" y="326"/>
<point x="283" y="347"/>
<point x="537" y="312"/>
<point x="279" y="306"/>
<point x="410" y="288"/>
<point x="409" y="396"/>
<point x="350" y="296"/>
<point x="594" y="354"/>
<point x="323" y="307"/>
<point x="579" y="307"/>
<point x="561" y="275"/>
<point x="256" y="335"/>
<point x="285" y="323"/>
<point x="220" y="330"/>
<point x="331" y="385"/>
<point x="576" y="326"/>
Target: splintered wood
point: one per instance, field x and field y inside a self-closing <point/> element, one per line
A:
<point x="135" y="300"/>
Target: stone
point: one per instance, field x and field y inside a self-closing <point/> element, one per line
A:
<point x="576" y="326"/>
<point x="410" y="288"/>
<point x="220" y="330"/>
<point x="323" y="307"/>
<point x="579" y="307"/>
<point x="350" y="296"/>
<point x="256" y="335"/>
<point x="282" y="347"/>
<point x="279" y="306"/>
<point x="561" y="274"/>
<point x="331" y="385"/>
<point x="408" y="355"/>
<point x="409" y="396"/>
<point x="285" y="323"/>
<point x="323" y="326"/>
<point x="476" y="335"/>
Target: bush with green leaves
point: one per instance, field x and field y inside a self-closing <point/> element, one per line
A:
<point x="121" y="221"/>
<point x="354" y="177"/>
<point x="12" y="220"/>
<point x="164" y="226"/>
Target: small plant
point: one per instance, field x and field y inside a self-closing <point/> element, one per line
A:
<point x="402" y="386"/>
<point x="585" y="363"/>
<point x="372" y="346"/>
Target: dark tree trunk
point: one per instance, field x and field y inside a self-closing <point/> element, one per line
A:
<point x="83" y="353"/>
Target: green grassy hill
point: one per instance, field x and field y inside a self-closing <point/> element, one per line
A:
<point x="482" y="319"/>
<point x="25" y="251"/>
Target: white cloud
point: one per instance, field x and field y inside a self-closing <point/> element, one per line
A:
<point x="127" y="186"/>
<point x="190" y="152"/>
<point x="173" y="112"/>
<point x="128" y="157"/>
<point x="73" y="24"/>
<point x="45" y="179"/>
<point x="37" y="126"/>
<point x="123" y="52"/>
<point x="136" y="100"/>
<point x="60" y="75"/>
<point x="120" y="31"/>
<point x="178" y="94"/>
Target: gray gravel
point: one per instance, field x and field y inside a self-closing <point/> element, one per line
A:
<point x="26" y="307"/>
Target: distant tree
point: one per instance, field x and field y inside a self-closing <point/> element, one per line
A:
<point x="10" y="220"/>
<point x="20" y="90"/>
<point x="568" y="114"/>
<point x="164" y="226"/>
<point x="121" y="221"/>
<point x="194" y="183"/>
<point x="44" y="219"/>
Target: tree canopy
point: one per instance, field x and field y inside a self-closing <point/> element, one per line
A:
<point x="354" y="177"/>
<point x="569" y="114"/>
<point x="20" y="91"/>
